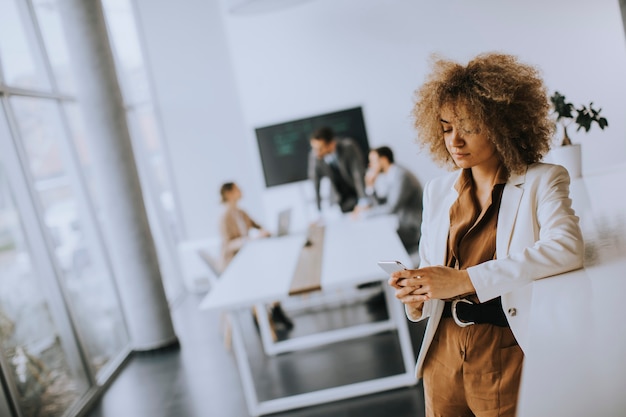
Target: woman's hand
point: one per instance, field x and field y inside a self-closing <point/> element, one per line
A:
<point x="438" y="282"/>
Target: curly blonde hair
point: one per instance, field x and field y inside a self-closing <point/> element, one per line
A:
<point x="506" y="98"/>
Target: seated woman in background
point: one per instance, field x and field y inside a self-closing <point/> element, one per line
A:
<point x="235" y="227"/>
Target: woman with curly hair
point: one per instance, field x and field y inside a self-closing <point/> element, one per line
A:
<point x="500" y="221"/>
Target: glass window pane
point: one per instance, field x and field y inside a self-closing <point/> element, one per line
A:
<point x="52" y="32"/>
<point x="21" y="62"/>
<point x="127" y="50"/>
<point x="85" y="275"/>
<point x="30" y="341"/>
<point x="77" y="131"/>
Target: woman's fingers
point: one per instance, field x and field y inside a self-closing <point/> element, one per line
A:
<point x="412" y="298"/>
<point x="397" y="282"/>
<point x="404" y="291"/>
<point x="411" y="287"/>
<point x="411" y="294"/>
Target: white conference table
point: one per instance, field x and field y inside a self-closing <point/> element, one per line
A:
<point x="576" y="360"/>
<point x="262" y="272"/>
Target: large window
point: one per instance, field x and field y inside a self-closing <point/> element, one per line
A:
<point x="62" y="331"/>
<point x="86" y="279"/>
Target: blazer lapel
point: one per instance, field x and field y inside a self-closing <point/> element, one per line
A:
<point x="509" y="206"/>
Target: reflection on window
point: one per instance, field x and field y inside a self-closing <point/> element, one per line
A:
<point x="85" y="276"/>
<point x="30" y="339"/>
<point x="21" y="64"/>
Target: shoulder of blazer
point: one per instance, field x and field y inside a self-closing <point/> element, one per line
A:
<point x="541" y="168"/>
<point x="537" y="172"/>
<point x="443" y="183"/>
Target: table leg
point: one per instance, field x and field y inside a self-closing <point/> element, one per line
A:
<point x="257" y="408"/>
<point x="243" y="366"/>
<point x="265" y="328"/>
<point x="398" y="316"/>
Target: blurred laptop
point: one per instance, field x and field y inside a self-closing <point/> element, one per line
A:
<point x="284" y="222"/>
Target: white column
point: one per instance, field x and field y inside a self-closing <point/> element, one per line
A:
<point x="121" y="207"/>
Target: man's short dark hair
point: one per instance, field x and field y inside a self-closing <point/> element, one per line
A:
<point x="385" y="152"/>
<point x="324" y="133"/>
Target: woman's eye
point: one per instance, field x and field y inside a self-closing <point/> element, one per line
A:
<point x="471" y="131"/>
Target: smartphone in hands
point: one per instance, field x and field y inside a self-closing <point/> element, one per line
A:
<point x="391" y="266"/>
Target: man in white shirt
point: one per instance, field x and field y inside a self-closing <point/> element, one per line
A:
<point x="393" y="189"/>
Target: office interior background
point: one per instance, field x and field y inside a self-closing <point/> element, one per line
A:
<point x="94" y="140"/>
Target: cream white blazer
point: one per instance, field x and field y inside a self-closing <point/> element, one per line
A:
<point x="538" y="236"/>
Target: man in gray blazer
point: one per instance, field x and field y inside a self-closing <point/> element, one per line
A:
<point x="394" y="189"/>
<point x="341" y="160"/>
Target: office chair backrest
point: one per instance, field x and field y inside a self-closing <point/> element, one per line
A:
<point x="212" y="263"/>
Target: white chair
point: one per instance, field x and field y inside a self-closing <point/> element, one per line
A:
<point x="213" y="264"/>
<point x="196" y="276"/>
<point x="215" y="271"/>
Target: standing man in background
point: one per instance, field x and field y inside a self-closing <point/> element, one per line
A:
<point x="341" y="160"/>
<point x="393" y="189"/>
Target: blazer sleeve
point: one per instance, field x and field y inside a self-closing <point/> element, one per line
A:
<point x="315" y="176"/>
<point x="356" y="167"/>
<point x="250" y="221"/>
<point x="428" y="306"/>
<point x="556" y="245"/>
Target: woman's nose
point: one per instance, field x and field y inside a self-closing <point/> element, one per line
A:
<point x="455" y="139"/>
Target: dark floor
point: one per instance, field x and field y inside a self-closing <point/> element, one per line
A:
<point x="201" y="380"/>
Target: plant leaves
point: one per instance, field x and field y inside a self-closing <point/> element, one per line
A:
<point x="561" y="107"/>
<point x="584" y="116"/>
<point x="602" y="122"/>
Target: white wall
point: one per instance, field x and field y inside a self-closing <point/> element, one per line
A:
<point x="200" y="108"/>
<point x="220" y="75"/>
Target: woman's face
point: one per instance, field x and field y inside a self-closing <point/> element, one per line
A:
<point x="234" y="194"/>
<point x="466" y="141"/>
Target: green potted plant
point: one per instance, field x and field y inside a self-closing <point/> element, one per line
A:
<point x="569" y="154"/>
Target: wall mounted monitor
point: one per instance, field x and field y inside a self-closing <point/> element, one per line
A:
<point x="285" y="147"/>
